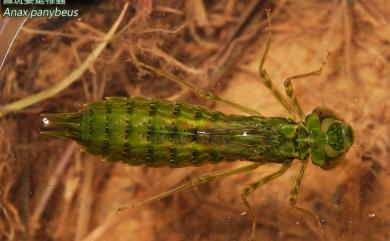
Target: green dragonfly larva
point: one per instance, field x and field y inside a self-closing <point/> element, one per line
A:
<point x="159" y="133"/>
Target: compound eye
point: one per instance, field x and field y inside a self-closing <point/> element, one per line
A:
<point x="330" y="152"/>
<point x="326" y="123"/>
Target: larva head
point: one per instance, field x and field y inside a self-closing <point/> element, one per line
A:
<point x="61" y="125"/>
<point x="331" y="137"/>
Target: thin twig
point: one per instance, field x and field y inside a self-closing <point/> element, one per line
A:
<point x="169" y="59"/>
<point x="53" y="180"/>
<point x="85" y="211"/>
<point x="54" y="33"/>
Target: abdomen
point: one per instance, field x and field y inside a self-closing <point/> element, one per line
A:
<point x="163" y="133"/>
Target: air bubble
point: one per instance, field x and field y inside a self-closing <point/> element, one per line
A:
<point x="45" y="121"/>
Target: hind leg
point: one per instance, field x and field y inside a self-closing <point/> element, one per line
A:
<point x="200" y="92"/>
<point x="197" y="181"/>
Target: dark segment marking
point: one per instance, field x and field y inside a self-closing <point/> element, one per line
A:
<point x="152" y="108"/>
<point x="172" y="154"/>
<point x="149" y="131"/>
<point x="129" y="111"/>
<point x="90" y="116"/>
<point x="149" y="153"/>
<point x="106" y="144"/>
<point x="172" y="131"/>
<point x="129" y="106"/>
<point x="176" y="110"/>
<point x="197" y="113"/>
<point x="213" y="156"/>
<point x="175" y="114"/>
<point x="126" y="151"/>
<point x="214" y="115"/>
<point x="194" y="134"/>
<point x="195" y="155"/>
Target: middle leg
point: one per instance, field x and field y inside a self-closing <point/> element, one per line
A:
<point x="294" y="196"/>
<point x="252" y="187"/>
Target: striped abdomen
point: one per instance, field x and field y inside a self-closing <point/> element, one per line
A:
<point x="162" y="133"/>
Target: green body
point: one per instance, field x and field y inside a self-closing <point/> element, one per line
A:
<point x="162" y="133"/>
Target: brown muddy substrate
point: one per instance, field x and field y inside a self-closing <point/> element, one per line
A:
<point x="51" y="191"/>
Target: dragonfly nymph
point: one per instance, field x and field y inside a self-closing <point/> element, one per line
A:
<point x="160" y="133"/>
